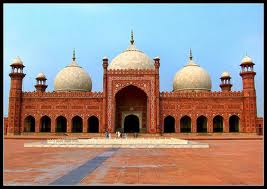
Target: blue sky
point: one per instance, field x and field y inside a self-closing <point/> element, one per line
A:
<point x="44" y="35"/>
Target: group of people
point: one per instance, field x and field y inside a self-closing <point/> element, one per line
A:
<point x="118" y="134"/>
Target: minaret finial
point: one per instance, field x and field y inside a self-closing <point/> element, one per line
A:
<point x="73" y="55"/>
<point x="132" y="37"/>
<point x="190" y="54"/>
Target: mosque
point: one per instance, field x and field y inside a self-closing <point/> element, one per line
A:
<point x="131" y="100"/>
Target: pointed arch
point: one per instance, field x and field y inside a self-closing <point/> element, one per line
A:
<point x="93" y="124"/>
<point x="202" y="124"/>
<point x="29" y="124"/>
<point x="218" y="124"/>
<point x="234" y="123"/>
<point x="61" y="124"/>
<point x="169" y="124"/>
<point x="185" y="124"/>
<point x="77" y="124"/>
<point x="45" y="124"/>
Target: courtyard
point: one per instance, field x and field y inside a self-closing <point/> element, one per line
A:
<point x="225" y="162"/>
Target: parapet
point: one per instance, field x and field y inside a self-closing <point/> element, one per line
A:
<point x="201" y="94"/>
<point x="63" y="94"/>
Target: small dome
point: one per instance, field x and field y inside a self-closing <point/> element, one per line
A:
<point x="192" y="78"/>
<point x="41" y="75"/>
<point x="225" y="74"/>
<point x="246" y="59"/>
<point x="132" y="58"/>
<point x="73" y="78"/>
<point x="16" y="61"/>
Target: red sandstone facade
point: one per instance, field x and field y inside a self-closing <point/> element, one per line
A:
<point x="132" y="93"/>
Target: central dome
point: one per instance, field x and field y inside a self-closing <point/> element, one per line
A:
<point x="73" y="78"/>
<point x="132" y="58"/>
<point x="191" y="78"/>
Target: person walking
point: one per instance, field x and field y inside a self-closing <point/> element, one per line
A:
<point x="109" y="135"/>
<point x="106" y="134"/>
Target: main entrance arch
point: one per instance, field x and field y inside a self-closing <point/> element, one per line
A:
<point x="131" y="124"/>
<point x="131" y="106"/>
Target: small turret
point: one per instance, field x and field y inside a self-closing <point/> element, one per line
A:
<point x="225" y="82"/>
<point x="40" y="82"/>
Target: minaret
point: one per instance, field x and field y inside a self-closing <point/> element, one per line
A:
<point x="249" y="92"/>
<point x="225" y="82"/>
<point x="105" y="96"/>
<point x="157" y="86"/>
<point x="40" y="82"/>
<point x="15" y="97"/>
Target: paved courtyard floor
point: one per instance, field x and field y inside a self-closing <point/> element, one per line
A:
<point x="226" y="162"/>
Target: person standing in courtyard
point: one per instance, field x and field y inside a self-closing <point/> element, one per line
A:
<point x="106" y="134"/>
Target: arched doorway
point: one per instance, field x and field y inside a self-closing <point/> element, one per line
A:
<point x="131" y="124"/>
<point x="61" y="124"/>
<point x="185" y="124"/>
<point x="202" y="124"/>
<point x="234" y="123"/>
<point x="131" y="100"/>
<point x="29" y="124"/>
<point x="45" y="124"/>
<point x="77" y="124"/>
<point x="169" y="124"/>
<point x="218" y="124"/>
<point x="93" y="124"/>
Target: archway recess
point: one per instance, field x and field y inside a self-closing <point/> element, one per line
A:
<point x="131" y="124"/>
<point x="45" y="124"/>
<point x="218" y="124"/>
<point x="234" y="123"/>
<point x="61" y="124"/>
<point x="185" y="124"/>
<point x="77" y="124"/>
<point x="130" y="100"/>
<point x="202" y="124"/>
<point x="169" y="124"/>
<point x="29" y="124"/>
<point x="93" y="124"/>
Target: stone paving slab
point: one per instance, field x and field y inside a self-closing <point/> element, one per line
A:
<point x="119" y="143"/>
<point x="226" y="162"/>
<point x="76" y="175"/>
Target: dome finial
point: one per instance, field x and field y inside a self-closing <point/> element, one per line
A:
<point x="132" y="37"/>
<point x="190" y="54"/>
<point x="73" y="55"/>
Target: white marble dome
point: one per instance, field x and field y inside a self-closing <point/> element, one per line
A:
<point x="225" y="74"/>
<point x="17" y="61"/>
<point x="132" y="58"/>
<point x="40" y="75"/>
<point x="246" y="59"/>
<point x="192" y="78"/>
<point x="73" y="78"/>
